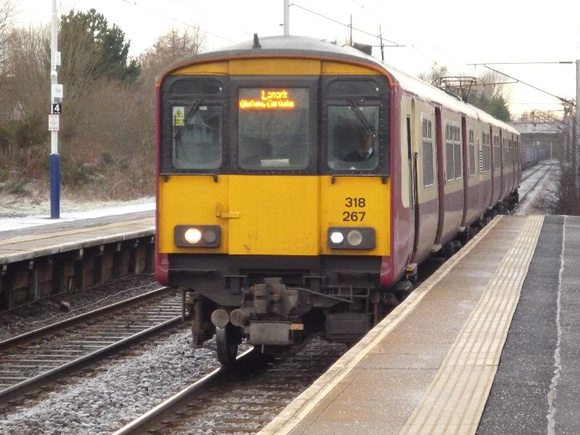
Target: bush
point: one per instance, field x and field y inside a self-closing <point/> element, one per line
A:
<point x="15" y="186"/>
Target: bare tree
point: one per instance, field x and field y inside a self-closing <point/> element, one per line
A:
<point x="436" y="73"/>
<point x="491" y="85"/>
<point x="107" y="127"/>
<point x="24" y="92"/>
<point x="27" y="66"/>
<point x="7" y="13"/>
<point x="169" y="48"/>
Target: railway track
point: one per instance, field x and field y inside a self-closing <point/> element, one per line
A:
<point x="531" y="181"/>
<point x="29" y="360"/>
<point x="243" y="399"/>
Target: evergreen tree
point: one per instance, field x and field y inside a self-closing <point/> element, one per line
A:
<point x="90" y="47"/>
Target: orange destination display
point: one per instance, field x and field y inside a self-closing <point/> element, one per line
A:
<point x="276" y="99"/>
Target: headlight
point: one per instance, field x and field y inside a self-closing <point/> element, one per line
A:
<point x="351" y="238"/>
<point x="187" y="236"/>
<point x="192" y="236"/>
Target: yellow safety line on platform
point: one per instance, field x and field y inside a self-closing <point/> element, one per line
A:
<point x="300" y="407"/>
<point x="47" y="236"/>
<point x="455" y="400"/>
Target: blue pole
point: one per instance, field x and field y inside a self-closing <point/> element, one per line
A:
<point x="54" y="155"/>
<point x="55" y="186"/>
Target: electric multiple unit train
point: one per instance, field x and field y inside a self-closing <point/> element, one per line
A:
<point x="300" y="184"/>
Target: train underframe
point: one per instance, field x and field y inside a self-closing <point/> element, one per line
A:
<point x="279" y="302"/>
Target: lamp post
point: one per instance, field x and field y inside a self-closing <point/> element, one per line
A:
<point x="576" y="146"/>
<point x="286" y="17"/>
<point x="54" y="117"/>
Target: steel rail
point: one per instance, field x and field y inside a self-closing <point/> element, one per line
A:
<point x="38" y="380"/>
<point x="38" y="333"/>
<point x="140" y="424"/>
<point x="156" y="323"/>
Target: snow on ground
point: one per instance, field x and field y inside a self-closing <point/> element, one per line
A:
<point x="23" y="214"/>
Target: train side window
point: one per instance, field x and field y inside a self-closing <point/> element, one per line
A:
<point x="486" y="152"/>
<point x="453" y="151"/>
<point x="428" y="167"/>
<point x="471" y="152"/>
<point x="496" y="152"/>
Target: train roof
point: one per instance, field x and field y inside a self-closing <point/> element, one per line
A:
<point x="311" y="47"/>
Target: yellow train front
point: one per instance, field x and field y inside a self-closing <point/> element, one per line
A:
<point x="270" y="216"/>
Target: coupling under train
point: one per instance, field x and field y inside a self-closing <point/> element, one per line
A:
<point x="300" y="184"/>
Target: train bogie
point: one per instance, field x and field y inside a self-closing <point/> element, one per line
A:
<point x="300" y="184"/>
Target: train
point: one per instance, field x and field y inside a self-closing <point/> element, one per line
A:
<point x="300" y="184"/>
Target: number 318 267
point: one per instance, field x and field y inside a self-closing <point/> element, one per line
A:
<point x="353" y="214"/>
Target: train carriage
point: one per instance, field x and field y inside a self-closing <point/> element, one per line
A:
<point x="300" y="183"/>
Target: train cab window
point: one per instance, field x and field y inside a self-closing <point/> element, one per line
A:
<point x="199" y="86"/>
<point x="192" y="135"/>
<point x="197" y="137"/>
<point x="353" y="124"/>
<point x="353" y="87"/>
<point x="273" y="128"/>
<point x="352" y="143"/>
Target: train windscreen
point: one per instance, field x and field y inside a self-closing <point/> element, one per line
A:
<point x="273" y="128"/>
<point x="197" y="137"/>
<point x="353" y="137"/>
<point x="354" y="124"/>
<point x="195" y="111"/>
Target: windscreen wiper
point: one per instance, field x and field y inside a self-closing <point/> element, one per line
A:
<point x="190" y="113"/>
<point x="361" y="117"/>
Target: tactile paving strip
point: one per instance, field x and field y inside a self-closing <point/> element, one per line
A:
<point x="453" y="399"/>
<point x="456" y="398"/>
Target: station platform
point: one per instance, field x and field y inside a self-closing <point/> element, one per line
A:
<point x="42" y="257"/>
<point x="16" y="224"/>
<point x="489" y="344"/>
<point x="29" y="237"/>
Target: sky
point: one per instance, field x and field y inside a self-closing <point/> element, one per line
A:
<point x="519" y="38"/>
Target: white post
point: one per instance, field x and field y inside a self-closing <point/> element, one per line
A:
<point x="286" y="17"/>
<point x="576" y="135"/>
<point x="54" y="119"/>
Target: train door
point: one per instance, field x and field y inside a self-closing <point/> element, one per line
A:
<point x="496" y="166"/>
<point x="492" y="168"/>
<point x="440" y="175"/>
<point x="272" y="143"/>
<point x="466" y="171"/>
<point x="502" y="169"/>
<point x="412" y="165"/>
